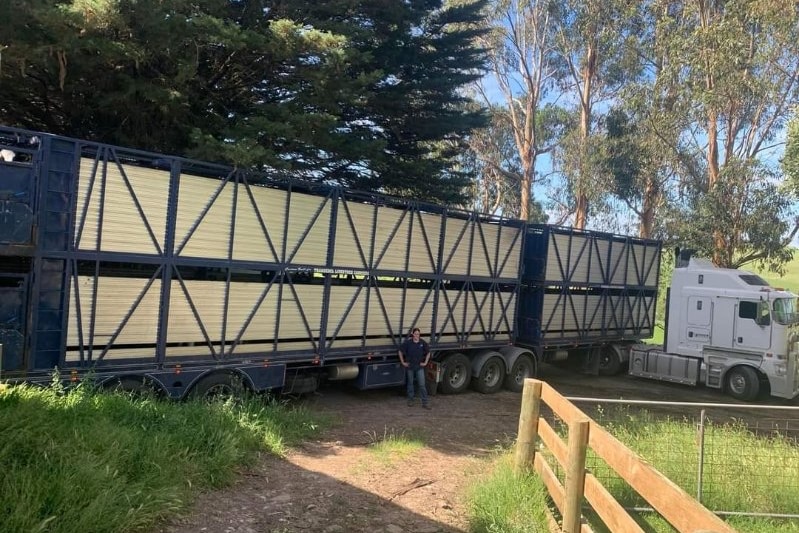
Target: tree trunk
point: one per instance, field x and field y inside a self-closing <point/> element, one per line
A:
<point x="589" y="70"/>
<point x="651" y="198"/>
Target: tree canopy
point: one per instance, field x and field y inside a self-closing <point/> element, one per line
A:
<point x="355" y="92"/>
<point x="672" y="116"/>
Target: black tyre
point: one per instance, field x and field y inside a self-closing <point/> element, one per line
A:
<point x="220" y="386"/>
<point x="456" y="374"/>
<point x="743" y="383"/>
<point x="609" y="361"/>
<point x="489" y="380"/>
<point x="523" y="368"/>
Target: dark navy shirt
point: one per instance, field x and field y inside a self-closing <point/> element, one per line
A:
<point x="414" y="352"/>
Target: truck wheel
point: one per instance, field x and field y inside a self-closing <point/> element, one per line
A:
<point x="489" y="379"/>
<point x="218" y="387"/>
<point x="609" y="361"/>
<point x="743" y="383"/>
<point x="457" y="372"/>
<point x="522" y="368"/>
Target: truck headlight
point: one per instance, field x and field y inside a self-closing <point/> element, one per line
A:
<point x="781" y="369"/>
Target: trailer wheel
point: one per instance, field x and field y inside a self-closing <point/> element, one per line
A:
<point x="522" y="368"/>
<point x="743" y="383"/>
<point x="457" y="372"/>
<point x="489" y="379"/>
<point x="218" y="386"/>
<point x="609" y="361"/>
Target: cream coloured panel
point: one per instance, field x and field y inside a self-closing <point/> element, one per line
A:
<point x="123" y="228"/>
<point x="340" y="315"/>
<point x="208" y="298"/>
<point x="113" y="354"/>
<point x="309" y="301"/>
<point x="249" y="240"/>
<point x="312" y="250"/>
<point x="510" y="252"/>
<point x="618" y="263"/>
<point x="456" y="246"/>
<point x="505" y="314"/>
<point x="601" y="259"/>
<point x="353" y="237"/>
<point x="484" y="252"/>
<point x="424" y="226"/>
<point x="391" y="239"/>
<point x="392" y="301"/>
<point x="418" y="311"/>
<point x="242" y="300"/>
<point x="115" y="299"/>
<point x="211" y="238"/>
<point x="557" y="257"/>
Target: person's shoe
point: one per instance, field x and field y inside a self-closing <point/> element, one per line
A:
<point x="410" y="403"/>
<point x="426" y="406"/>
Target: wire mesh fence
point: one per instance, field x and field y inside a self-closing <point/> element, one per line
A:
<point x="734" y="459"/>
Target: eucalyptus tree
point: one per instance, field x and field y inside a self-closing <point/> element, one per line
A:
<point x="646" y="152"/>
<point x="521" y="59"/>
<point x="594" y="42"/>
<point x="790" y="161"/>
<point x="494" y="159"/>
<point x="736" y="64"/>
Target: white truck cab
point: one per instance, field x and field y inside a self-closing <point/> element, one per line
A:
<point x="728" y="329"/>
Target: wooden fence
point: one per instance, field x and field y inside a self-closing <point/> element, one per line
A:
<point x="675" y="505"/>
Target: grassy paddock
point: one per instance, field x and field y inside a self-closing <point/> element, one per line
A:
<point x="739" y="482"/>
<point x="83" y="461"/>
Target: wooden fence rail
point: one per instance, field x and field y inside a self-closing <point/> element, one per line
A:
<point x="674" y="504"/>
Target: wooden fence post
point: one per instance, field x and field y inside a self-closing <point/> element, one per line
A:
<point x="575" y="476"/>
<point x="528" y="425"/>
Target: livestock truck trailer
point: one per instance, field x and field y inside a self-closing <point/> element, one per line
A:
<point x="148" y="271"/>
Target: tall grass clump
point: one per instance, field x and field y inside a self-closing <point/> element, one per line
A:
<point x="85" y="461"/>
<point x="506" y="502"/>
<point x="391" y="447"/>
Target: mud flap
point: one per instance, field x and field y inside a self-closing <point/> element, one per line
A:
<point x="432" y="375"/>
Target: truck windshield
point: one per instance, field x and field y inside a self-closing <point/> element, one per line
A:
<point x="785" y="311"/>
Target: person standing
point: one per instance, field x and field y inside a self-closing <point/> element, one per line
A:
<point x="414" y="354"/>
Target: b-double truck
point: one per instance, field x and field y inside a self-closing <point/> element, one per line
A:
<point x="190" y="278"/>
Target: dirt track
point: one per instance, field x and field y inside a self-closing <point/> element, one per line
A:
<point x="335" y="485"/>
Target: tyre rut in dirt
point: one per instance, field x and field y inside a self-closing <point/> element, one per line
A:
<point x="457" y="373"/>
<point x="743" y="383"/>
<point x="489" y="379"/>
<point x="523" y="368"/>
<point x="218" y="386"/>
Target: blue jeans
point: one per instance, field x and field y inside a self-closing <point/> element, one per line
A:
<point x="416" y="374"/>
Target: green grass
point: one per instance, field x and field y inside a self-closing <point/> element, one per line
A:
<point x="789" y="281"/>
<point x="83" y="461"/>
<point x="391" y="447"/>
<point x="739" y="481"/>
<point x="506" y="502"/>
